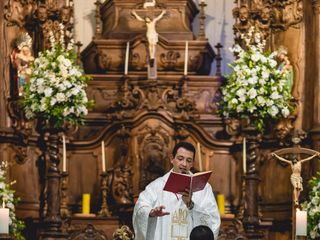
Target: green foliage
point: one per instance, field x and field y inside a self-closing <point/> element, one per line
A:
<point x="312" y="206"/>
<point x="259" y="87"/>
<point x="7" y="196"/>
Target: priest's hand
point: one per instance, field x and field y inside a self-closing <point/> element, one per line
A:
<point x="158" y="212"/>
<point x="187" y="198"/>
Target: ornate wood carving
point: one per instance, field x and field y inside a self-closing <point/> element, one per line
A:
<point x="153" y="151"/>
<point x="89" y="233"/>
<point x="267" y="15"/>
<point x="38" y="17"/>
<point x="233" y="231"/>
<point x="120" y="182"/>
<point x="123" y="233"/>
<point x="52" y="218"/>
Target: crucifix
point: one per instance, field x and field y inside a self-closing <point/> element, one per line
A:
<point x="151" y="33"/>
<point x="295" y="162"/>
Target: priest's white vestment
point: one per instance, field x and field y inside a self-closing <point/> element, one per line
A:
<point x="180" y="222"/>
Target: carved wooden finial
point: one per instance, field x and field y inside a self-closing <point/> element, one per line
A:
<point x="218" y="59"/>
<point x="98" y="20"/>
<point x="202" y="34"/>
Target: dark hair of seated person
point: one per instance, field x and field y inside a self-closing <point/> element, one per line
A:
<point x="201" y="232"/>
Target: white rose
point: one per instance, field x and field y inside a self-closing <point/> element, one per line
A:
<point x="255" y="57"/>
<point x="53" y="101"/>
<point x="253" y="80"/>
<point x="61" y="97"/>
<point x="269" y="102"/>
<point x="272" y="63"/>
<point x="273" y="111"/>
<point x="239" y="108"/>
<point x="285" y="112"/>
<point x="252" y="93"/>
<point x="234" y="101"/>
<point x="275" y="95"/>
<point x="242" y="99"/>
<point x="265" y="74"/>
<point x="261" y="101"/>
<point x="48" y="92"/>
<point x="241" y="92"/>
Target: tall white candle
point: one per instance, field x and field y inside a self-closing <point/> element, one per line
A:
<point x="126" y="64"/>
<point x="103" y="157"/>
<point x="301" y="223"/>
<point x="186" y="57"/>
<point x="4" y="219"/>
<point x="244" y="156"/>
<point x="64" y="154"/>
<point x="199" y="156"/>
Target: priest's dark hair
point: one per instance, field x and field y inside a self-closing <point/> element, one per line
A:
<point x="186" y="145"/>
<point x="201" y="232"/>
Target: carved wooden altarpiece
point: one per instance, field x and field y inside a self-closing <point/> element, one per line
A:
<point x="139" y="118"/>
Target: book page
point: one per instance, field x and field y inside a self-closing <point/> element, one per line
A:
<point x="200" y="180"/>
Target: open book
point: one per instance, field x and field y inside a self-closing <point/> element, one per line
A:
<point x="179" y="182"/>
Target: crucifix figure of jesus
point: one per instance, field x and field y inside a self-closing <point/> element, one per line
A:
<point x="295" y="178"/>
<point x="152" y="35"/>
<point x="296" y="164"/>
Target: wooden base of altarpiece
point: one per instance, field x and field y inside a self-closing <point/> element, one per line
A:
<point x="79" y="228"/>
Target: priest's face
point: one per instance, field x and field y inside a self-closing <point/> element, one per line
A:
<point x="182" y="161"/>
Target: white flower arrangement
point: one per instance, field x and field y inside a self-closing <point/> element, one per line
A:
<point x="312" y="206"/>
<point x="56" y="90"/>
<point x="7" y="197"/>
<point x="259" y="87"/>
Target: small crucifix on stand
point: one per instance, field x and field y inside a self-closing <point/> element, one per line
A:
<point x="296" y="180"/>
<point x="151" y="34"/>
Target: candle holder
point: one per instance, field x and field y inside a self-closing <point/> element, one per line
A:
<point x="4" y="236"/>
<point x="202" y="18"/>
<point x="218" y="59"/>
<point x="98" y="20"/>
<point x="104" y="212"/>
<point x="64" y="211"/>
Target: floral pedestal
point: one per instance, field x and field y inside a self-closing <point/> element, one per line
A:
<point x="52" y="220"/>
<point x="251" y="215"/>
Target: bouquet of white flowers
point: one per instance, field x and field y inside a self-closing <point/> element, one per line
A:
<point x="7" y="197"/>
<point x="312" y="206"/>
<point x="259" y="87"/>
<point x="56" y="90"/>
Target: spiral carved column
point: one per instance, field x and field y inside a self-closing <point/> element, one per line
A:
<point x="251" y="216"/>
<point x="52" y="220"/>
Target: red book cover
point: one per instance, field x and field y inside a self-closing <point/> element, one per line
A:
<point x="179" y="182"/>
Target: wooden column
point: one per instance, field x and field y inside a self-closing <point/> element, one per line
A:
<point x="251" y="216"/>
<point x="315" y="131"/>
<point x="52" y="220"/>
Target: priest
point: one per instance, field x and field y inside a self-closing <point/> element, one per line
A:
<point x="162" y="215"/>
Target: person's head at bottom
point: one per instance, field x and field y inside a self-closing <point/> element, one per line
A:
<point x="201" y="232"/>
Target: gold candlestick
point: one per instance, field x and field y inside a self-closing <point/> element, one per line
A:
<point x="104" y="212"/>
<point x="64" y="211"/>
